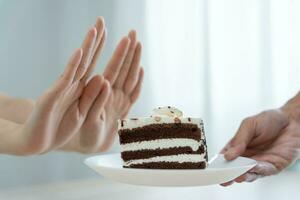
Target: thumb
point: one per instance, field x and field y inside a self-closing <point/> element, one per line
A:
<point x="240" y="141"/>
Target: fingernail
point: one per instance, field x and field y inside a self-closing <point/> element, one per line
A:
<point x="132" y="32"/>
<point x="227" y="183"/>
<point x="79" y="52"/>
<point x="139" y="44"/>
<point x="101" y="18"/>
<point x="241" y="179"/>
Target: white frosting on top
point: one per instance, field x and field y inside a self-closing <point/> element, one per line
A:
<point x="167" y="111"/>
<point x="162" y="144"/>
<point x="160" y="115"/>
<point x="181" y="158"/>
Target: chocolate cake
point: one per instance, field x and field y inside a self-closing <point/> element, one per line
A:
<point x="166" y="140"/>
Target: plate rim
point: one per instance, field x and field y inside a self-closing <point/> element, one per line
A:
<point x="89" y="163"/>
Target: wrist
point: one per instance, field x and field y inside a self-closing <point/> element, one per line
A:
<point x="24" y="107"/>
<point x="15" y="109"/>
<point x="11" y="137"/>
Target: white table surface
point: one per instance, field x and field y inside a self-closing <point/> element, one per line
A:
<point x="281" y="187"/>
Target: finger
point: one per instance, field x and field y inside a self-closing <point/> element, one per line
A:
<point x="100" y="27"/>
<point x="264" y="168"/>
<point x="67" y="77"/>
<point x="235" y="151"/>
<point x="98" y="106"/>
<point x="87" y="47"/>
<point x="72" y="66"/>
<point x="93" y="138"/>
<point x="107" y="142"/>
<point x="98" y="47"/>
<point x="227" y="146"/>
<point x="90" y="93"/>
<point x="132" y="76"/>
<point x="241" y="178"/>
<point x="113" y="68"/>
<point x="73" y="93"/>
<point x="252" y="152"/>
<point x="137" y="90"/>
<point x="260" y="170"/>
<point x="227" y="183"/>
<point x="96" y="56"/>
<point x="108" y="139"/>
<point x="250" y="177"/>
<point x="241" y="140"/>
<point x="247" y="177"/>
<point x="66" y="129"/>
<point x="128" y="60"/>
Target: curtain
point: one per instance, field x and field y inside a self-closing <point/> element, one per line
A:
<point x="223" y="60"/>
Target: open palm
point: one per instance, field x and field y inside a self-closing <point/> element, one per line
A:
<point x="78" y="113"/>
<point x="48" y="125"/>
<point x="124" y="76"/>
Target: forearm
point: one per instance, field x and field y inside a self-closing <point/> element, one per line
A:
<point x="10" y="137"/>
<point x="15" y="109"/>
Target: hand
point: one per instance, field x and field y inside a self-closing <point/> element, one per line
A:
<point x="61" y="111"/>
<point x="76" y="114"/>
<point x="271" y="137"/>
<point x="125" y="77"/>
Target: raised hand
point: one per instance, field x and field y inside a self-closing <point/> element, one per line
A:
<point x="124" y="76"/>
<point x="60" y="111"/>
<point x="271" y="137"/>
<point x="78" y="114"/>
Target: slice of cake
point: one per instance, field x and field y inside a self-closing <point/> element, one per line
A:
<point x="166" y="140"/>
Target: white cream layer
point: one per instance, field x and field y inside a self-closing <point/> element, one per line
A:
<point x="162" y="144"/>
<point x="181" y="158"/>
<point x="144" y="121"/>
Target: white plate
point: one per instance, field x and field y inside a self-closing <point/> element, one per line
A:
<point x="219" y="171"/>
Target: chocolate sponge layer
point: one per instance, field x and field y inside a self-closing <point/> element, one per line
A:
<point x="170" y="165"/>
<point x="160" y="131"/>
<point x="144" y="154"/>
